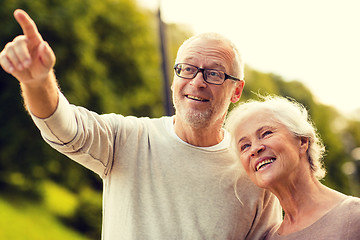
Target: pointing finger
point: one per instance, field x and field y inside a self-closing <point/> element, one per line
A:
<point x="28" y="25"/>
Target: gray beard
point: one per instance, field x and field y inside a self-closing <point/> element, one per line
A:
<point x="197" y="119"/>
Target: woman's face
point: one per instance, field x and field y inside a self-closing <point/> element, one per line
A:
<point x="269" y="152"/>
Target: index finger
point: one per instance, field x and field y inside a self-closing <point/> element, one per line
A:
<point x="28" y="25"/>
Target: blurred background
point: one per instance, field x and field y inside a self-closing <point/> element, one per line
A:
<point x="110" y="58"/>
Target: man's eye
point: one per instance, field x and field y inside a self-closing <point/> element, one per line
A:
<point x="214" y="73"/>
<point x="188" y="69"/>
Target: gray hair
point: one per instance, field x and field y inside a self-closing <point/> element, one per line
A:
<point x="237" y="64"/>
<point x="291" y="114"/>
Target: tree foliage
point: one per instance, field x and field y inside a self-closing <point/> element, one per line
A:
<point x="107" y="61"/>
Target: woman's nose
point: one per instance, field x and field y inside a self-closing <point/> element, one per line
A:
<point x="258" y="149"/>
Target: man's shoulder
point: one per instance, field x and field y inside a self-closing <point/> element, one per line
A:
<point x="135" y="120"/>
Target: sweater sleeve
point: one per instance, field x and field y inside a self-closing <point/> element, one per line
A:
<point x="269" y="214"/>
<point x="60" y="127"/>
<point x="82" y="135"/>
<point x="353" y="229"/>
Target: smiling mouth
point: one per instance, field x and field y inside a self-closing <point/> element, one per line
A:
<point x="264" y="163"/>
<point x="196" y="98"/>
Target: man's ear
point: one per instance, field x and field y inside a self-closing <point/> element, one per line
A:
<point x="172" y="86"/>
<point x="237" y="91"/>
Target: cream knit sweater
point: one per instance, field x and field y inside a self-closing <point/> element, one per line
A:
<point x="155" y="185"/>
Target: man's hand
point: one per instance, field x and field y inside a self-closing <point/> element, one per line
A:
<point x="28" y="57"/>
<point x="31" y="60"/>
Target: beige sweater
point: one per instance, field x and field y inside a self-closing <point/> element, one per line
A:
<point x="341" y="223"/>
<point x="155" y="185"/>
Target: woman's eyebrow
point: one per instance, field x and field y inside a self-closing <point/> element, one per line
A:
<point x="258" y="131"/>
<point x="241" y="139"/>
<point x="264" y="127"/>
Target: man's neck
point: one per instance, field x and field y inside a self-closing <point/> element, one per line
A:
<point x="199" y="136"/>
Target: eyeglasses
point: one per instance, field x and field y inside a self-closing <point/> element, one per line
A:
<point x="212" y="76"/>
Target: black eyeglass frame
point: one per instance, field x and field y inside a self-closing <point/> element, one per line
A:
<point x="202" y="70"/>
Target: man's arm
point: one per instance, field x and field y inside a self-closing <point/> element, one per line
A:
<point x="82" y="135"/>
<point x="31" y="60"/>
<point x="269" y="214"/>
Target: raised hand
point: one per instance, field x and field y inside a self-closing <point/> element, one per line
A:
<point x="28" y="57"/>
<point x="31" y="60"/>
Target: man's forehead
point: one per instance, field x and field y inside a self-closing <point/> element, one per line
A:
<point x="210" y="56"/>
<point x="214" y="63"/>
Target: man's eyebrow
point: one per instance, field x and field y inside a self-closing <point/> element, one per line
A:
<point x="217" y="66"/>
<point x="213" y="65"/>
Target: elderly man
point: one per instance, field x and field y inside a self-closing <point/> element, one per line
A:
<point x="164" y="178"/>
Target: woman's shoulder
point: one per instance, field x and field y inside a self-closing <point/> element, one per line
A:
<point x="350" y="201"/>
<point x="349" y="208"/>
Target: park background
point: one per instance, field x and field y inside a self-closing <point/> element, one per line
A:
<point x="109" y="59"/>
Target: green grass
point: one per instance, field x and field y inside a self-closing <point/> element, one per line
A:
<point x="26" y="220"/>
<point x="57" y="199"/>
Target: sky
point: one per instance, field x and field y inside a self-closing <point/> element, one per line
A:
<point x="316" y="42"/>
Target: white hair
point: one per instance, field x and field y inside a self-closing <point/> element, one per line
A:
<point x="291" y="114"/>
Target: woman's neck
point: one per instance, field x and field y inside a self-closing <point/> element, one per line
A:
<point x="304" y="204"/>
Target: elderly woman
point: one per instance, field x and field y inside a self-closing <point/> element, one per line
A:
<point x="280" y="150"/>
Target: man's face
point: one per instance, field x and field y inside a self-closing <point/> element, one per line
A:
<point x="199" y="103"/>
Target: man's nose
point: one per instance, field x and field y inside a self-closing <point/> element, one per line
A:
<point x="199" y="80"/>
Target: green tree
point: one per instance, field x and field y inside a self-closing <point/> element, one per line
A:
<point x="107" y="61"/>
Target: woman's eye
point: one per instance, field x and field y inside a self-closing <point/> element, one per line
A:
<point x="244" y="146"/>
<point x="266" y="133"/>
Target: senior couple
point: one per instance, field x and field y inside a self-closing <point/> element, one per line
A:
<point x="185" y="176"/>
